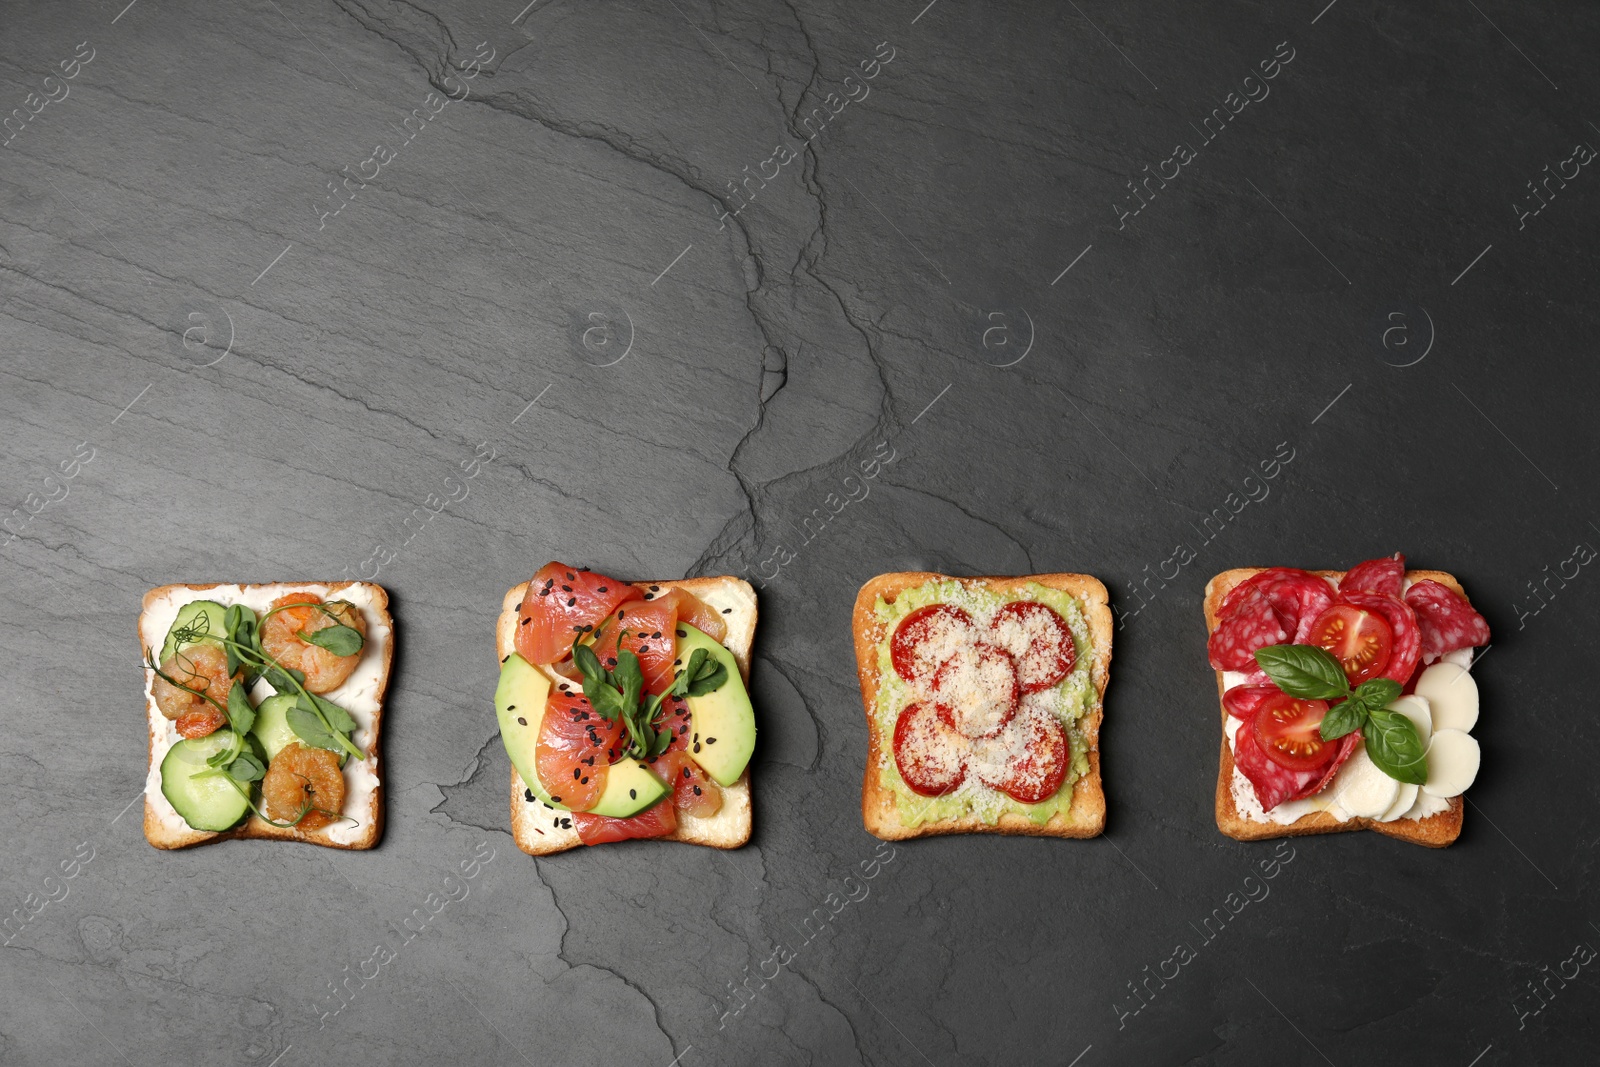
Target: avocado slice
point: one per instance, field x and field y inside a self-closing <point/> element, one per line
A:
<point x="630" y="788"/>
<point x="189" y="618"/>
<point x="723" y="722"/>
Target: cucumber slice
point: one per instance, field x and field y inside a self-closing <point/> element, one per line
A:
<point x="205" y="803"/>
<point x="272" y="724"/>
<point x="197" y="616"/>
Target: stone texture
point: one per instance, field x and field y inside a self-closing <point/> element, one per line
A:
<point x="269" y="394"/>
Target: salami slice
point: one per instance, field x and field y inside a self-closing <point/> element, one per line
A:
<point x="1273" y="784"/>
<point x="1252" y="624"/>
<point x="1446" y="620"/>
<point x="1403" y="621"/>
<point x="1385" y="576"/>
<point x="1347" y="748"/>
<point x="1243" y="700"/>
<point x="1255" y="581"/>
<point x="1298" y="600"/>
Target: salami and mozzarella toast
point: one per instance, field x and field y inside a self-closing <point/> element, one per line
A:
<point x="1234" y="795"/>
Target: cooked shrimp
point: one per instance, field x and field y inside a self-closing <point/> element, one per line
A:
<point x="324" y="671"/>
<point x="298" y="774"/>
<point x="202" y="667"/>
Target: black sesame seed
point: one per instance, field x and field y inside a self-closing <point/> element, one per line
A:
<point x="556" y="822"/>
<point x="511" y="707"/>
<point x="544" y="592"/>
<point x="566" y="589"/>
<point x="727" y="611"/>
<point x="697" y="746"/>
<point x="697" y="791"/>
<point x="655" y="589"/>
<point x="575" y="773"/>
<point x="527" y="794"/>
<point x="566" y="824"/>
<point x="505" y="657"/>
<point x="602" y="589"/>
<point x="556" y="799"/>
<point x="681" y="632"/>
<point x="677" y="663"/>
<point x="585" y="781"/>
<point x="633" y="794"/>
<point x="621" y="613"/>
<point x="571" y="600"/>
<point x="571" y="577"/>
<point x="649" y="596"/>
<point x="521" y="720"/>
<point x="711" y="740"/>
<point x="657" y="635"/>
<point x="524" y="622"/>
<point x="686" y="772"/>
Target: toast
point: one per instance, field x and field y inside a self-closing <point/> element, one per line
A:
<point x="165" y="828"/>
<point x="1086" y="816"/>
<point x="535" y="825"/>
<point x="1435" y="831"/>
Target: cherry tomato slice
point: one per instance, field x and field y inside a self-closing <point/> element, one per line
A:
<point x="976" y="690"/>
<point x="926" y="638"/>
<point x="1360" y="640"/>
<point x="1038" y="639"/>
<point x="1037" y="773"/>
<point x="1287" y="730"/>
<point x="931" y="757"/>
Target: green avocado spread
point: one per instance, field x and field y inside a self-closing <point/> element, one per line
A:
<point x="1072" y="699"/>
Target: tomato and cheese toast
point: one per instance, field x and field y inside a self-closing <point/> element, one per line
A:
<point x="1347" y="701"/>
<point x="624" y="709"/>
<point x="983" y="699"/>
<point x="264" y="704"/>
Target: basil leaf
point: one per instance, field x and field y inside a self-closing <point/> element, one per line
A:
<point x="241" y="714"/>
<point x="1343" y="719"/>
<point x="1393" y="744"/>
<point x="1304" y="671"/>
<point x="308" y="728"/>
<point x="1378" y="692"/>
<point x="339" y="639"/>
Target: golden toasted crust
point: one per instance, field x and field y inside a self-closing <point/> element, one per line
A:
<point x="1436" y="831"/>
<point x="1087" y="815"/>
<point x="531" y="824"/>
<point x="187" y="837"/>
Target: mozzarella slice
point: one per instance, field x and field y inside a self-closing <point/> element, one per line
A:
<point x="1452" y="763"/>
<point x="1419" y="711"/>
<point x="1451" y="694"/>
<point x="1406" y="797"/>
<point x="1362" y="789"/>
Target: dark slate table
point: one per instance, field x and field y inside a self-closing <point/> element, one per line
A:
<point x="1071" y="273"/>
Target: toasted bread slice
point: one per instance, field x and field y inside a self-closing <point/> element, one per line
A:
<point x="1435" y="831"/>
<point x="1087" y="815"/>
<point x="165" y="828"/>
<point x="536" y="826"/>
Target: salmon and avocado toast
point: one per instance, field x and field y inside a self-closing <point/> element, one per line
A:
<point x="624" y="711"/>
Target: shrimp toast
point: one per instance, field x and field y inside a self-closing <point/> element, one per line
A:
<point x="540" y="829"/>
<point x="342" y="672"/>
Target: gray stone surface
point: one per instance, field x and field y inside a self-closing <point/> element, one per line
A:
<point x="269" y="394"/>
